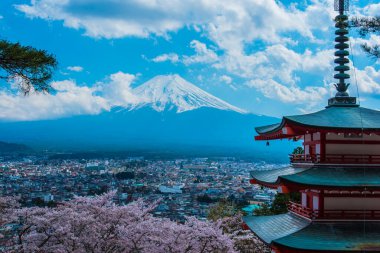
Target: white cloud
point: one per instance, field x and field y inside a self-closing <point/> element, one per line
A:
<point x="372" y="9"/>
<point x="68" y="99"/>
<point x="75" y="68"/>
<point x="203" y="54"/>
<point x="277" y="61"/>
<point x="228" y="23"/>
<point x="166" y="57"/>
<point x="226" y="79"/>
<point x="368" y="80"/>
<point x="292" y="94"/>
<point x="117" y="19"/>
<point x="117" y="89"/>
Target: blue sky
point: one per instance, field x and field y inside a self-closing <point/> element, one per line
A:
<point x="265" y="56"/>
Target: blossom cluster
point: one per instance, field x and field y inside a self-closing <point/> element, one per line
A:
<point x="96" y="224"/>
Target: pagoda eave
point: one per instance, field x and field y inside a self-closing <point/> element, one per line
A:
<point x="319" y="178"/>
<point x="293" y="130"/>
<point x="324" y="121"/>
<point x="292" y="233"/>
<point x="274" y="185"/>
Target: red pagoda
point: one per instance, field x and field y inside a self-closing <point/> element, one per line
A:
<point x="337" y="175"/>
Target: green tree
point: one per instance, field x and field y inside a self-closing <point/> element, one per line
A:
<point x="298" y="151"/>
<point x="264" y="210"/>
<point x="30" y="67"/>
<point x="222" y="209"/>
<point x="366" y="26"/>
<point x="279" y="204"/>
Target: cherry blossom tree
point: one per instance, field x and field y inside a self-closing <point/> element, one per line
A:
<point x="244" y="240"/>
<point x="98" y="225"/>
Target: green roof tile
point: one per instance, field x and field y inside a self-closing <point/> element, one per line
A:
<point x="339" y="237"/>
<point x="322" y="176"/>
<point x="271" y="176"/>
<point x="269" y="128"/>
<point x="269" y="228"/>
<point x="341" y="117"/>
<point x="336" y="177"/>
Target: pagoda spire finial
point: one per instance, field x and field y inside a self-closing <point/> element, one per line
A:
<point x="342" y="53"/>
<point x="341" y="6"/>
<point x="342" y="98"/>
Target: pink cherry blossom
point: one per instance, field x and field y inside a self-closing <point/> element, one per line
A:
<point x="97" y="225"/>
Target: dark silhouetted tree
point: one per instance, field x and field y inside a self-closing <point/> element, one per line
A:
<point x="28" y="67"/>
<point x="366" y="26"/>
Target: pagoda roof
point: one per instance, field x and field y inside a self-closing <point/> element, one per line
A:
<point x="270" y="228"/>
<point x="334" y="117"/>
<point x="268" y="128"/>
<point x="293" y="232"/>
<point x="271" y="176"/>
<point x="334" y="236"/>
<point x="320" y="177"/>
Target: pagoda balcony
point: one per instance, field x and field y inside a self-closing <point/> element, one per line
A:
<point x="335" y="159"/>
<point x="300" y="210"/>
<point x="308" y="213"/>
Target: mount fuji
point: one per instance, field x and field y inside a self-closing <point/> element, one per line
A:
<point x="172" y="92"/>
<point x="171" y="116"/>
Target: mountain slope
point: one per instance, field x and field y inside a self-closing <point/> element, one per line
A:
<point x="172" y="92"/>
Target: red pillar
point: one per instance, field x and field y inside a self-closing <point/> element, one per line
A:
<point x="321" y="203"/>
<point x="323" y="146"/>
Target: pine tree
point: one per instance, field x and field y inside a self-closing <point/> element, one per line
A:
<point x="366" y="26"/>
<point x="28" y="67"/>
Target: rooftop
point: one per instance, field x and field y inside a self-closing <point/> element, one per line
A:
<point x="333" y="117"/>
<point x="270" y="228"/>
<point x="293" y="232"/>
<point x="329" y="177"/>
<point x="341" y="237"/>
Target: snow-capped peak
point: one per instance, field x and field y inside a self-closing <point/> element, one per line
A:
<point x="172" y="92"/>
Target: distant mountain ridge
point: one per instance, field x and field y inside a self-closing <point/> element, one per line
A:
<point x="6" y="147"/>
<point x="172" y="92"/>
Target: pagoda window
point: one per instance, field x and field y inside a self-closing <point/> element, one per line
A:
<point x="307" y="150"/>
<point x="315" y="202"/>
<point x="310" y="199"/>
<point x="308" y="137"/>
<point x="318" y="149"/>
<point x="317" y="136"/>
<point x="304" y="199"/>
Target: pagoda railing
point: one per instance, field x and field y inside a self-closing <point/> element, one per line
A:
<point x="333" y="214"/>
<point x="300" y="210"/>
<point x="335" y="159"/>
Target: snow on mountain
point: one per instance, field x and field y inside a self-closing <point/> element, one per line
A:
<point x="172" y="92"/>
